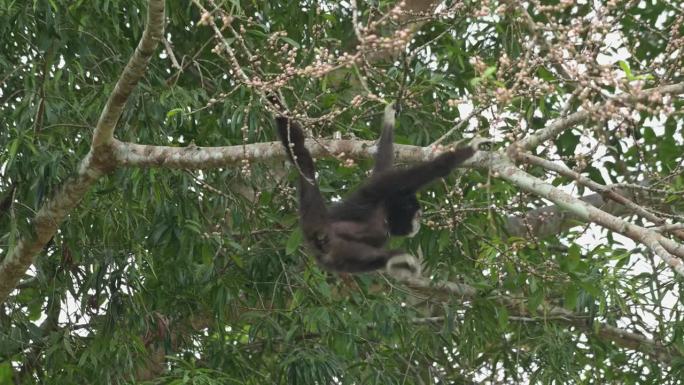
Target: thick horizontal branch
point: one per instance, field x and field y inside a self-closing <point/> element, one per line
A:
<point x="541" y="222"/>
<point x="195" y="157"/>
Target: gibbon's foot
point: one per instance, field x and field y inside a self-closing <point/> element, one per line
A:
<point x="403" y="267"/>
<point x="477" y="141"/>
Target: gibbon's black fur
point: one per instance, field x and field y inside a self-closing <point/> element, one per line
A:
<point x="351" y="235"/>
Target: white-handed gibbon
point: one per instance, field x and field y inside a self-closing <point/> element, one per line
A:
<point x="350" y="236"/>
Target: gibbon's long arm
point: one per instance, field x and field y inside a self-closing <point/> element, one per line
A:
<point x="292" y="137"/>
<point x="312" y="210"/>
<point x="384" y="156"/>
<point x="409" y="180"/>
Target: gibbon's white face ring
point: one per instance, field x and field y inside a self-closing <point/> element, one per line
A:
<point x="415" y="223"/>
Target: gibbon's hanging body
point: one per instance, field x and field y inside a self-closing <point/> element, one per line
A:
<point x="351" y="235"/>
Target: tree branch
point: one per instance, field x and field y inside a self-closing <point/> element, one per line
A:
<point x="195" y="157"/>
<point x="597" y="187"/>
<point x="620" y="337"/>
<point x="96" y="163"/>
<point x="131" y="74"/>
<point x="552" y="220"/>
<point x="541" y="222"/>
<point x="660" y="245"/>
<point x="562" y="124"/>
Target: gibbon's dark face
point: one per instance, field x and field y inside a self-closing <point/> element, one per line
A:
<point x="403" y="215"/>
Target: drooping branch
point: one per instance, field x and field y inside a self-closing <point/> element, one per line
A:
<point x="154" y="362"/>
<point x="450" y="291"/>
<point x="95" y="164"/>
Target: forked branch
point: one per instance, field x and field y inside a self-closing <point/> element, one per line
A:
<point x="96" y="163"/>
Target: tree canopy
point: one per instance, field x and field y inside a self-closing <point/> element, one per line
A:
<point x="148" y="219"/>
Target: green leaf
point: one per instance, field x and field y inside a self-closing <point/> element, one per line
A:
<point x="290" y="41"/>
<point x="567" y="143"/>
<point x="13" y="148"/>
<point x="324" y="289"/>
<point x="534" y="301"/>
<point x="573" y="257"/>
<point x="591" y="288"/>
<point x="6" y="373"/>
<point x="238" y="260"/>
<point x="502" y="317"/>
<point x="293" y="241"/>
<point x="173" y="112"/>
<point x="193" y="226"/>
<point x="570" y="297"/>
<point x="66" y="343"/>
<point x="545" y="74"/>
<point x="625" y="68"/>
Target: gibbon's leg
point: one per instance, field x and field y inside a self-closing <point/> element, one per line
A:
<point x="384" y="157"/>
<point x="403" y="266"/>
<point x="355" y="257"/>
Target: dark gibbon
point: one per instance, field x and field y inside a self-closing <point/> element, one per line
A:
<point x="350" y="236"/>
